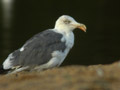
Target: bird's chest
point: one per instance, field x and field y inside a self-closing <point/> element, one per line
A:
<point x="69" y="40"/>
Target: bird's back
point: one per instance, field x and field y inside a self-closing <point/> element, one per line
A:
<point x="37" y="50"/>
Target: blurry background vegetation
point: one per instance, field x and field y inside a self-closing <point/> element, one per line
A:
<point x="100" y="45"/>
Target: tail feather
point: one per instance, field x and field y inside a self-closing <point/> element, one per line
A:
<point x="3" y="71"/>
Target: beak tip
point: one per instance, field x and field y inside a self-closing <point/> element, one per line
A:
<point x="83" y="27"/>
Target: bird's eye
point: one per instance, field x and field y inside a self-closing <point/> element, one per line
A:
<point x="67" y="21"/>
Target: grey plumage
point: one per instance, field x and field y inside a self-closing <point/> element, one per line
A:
<point x="38" y="49"/>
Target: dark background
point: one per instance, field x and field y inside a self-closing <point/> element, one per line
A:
<point x="100" y="45"/>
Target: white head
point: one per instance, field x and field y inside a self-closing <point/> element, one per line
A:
<point x="67" y="23"/>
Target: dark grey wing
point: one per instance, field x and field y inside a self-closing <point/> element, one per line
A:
<point x="38" y="49"/>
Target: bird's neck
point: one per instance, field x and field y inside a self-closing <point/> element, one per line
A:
<point x="62" y="30"/>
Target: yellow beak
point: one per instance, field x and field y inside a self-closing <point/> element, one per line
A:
<point x="81" y="27"/>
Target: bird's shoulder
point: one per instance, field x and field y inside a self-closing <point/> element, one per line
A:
<point x="47" y="36"/>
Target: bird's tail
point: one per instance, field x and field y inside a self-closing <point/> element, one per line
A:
<point x="3" y="71"/>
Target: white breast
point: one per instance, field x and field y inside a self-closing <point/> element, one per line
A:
<point x="69" y="38"/>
